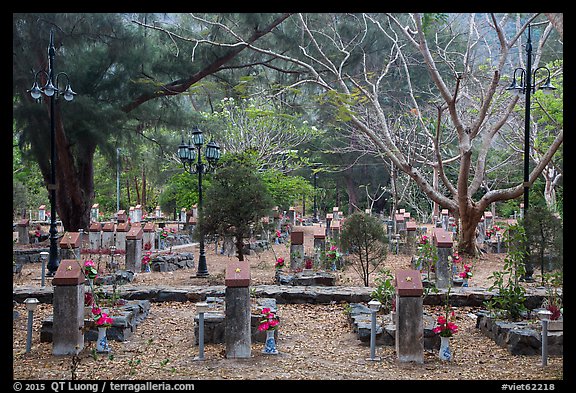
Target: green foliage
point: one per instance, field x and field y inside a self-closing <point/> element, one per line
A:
<point x="364" y="238"/>
<point x="285" y="190"/>
<point x="509" y="302"/>
<point x="235" y="201"/>
<point x="385" y="292"/>
<point x="554" y="300"/>
<point x="544" y="234"/>
<point x="431" y="19"/>
<point x="426" y="255"/>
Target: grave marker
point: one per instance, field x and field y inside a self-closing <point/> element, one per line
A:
<point x="121" y="216"/>
<point x="410" y="237"/>
<point x="409" y="337"/>
<point x="319" y="246"/>
<point x="94" y="213"/>
<point x="445" y="219"/>
<point x="68" y="308"/>
<point x="237" y="314"/>
<point x="108" y="235"/>
<point x="95" y="236"/>
<point x="137" y="213"/>
<point x="297" y="248"/>
<point x="133" y="260"/>
<point x="121" y="229"/>
<point x="148" y="237"/>
<point x="23" y="228"/>
<point x="42" y="213"/>
<point x="443" y="242"/>
<point x="69" y="243"/>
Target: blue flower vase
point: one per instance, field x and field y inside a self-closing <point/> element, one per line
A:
<point x="445" y="353"/>
<point x="270" y="345"/>
<point x="102" y="343"/>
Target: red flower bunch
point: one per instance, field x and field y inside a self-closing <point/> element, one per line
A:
<point x="90" y="269"/>
<point x="445" y="327"/>
<point x="456" y="258"/>
<point x="101" y="318"/>
<point x="423" y="239"/>
<point x="308" y="263"/>
<point x="279" y="263"/>
<point x="555" y="310"/>
<point x="269" y="320"/>
<point x="146" y="258"/>
<point x="467" y="273"/>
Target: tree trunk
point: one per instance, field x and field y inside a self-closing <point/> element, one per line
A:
<point x="239" y="245"/>
<point x="74" y="181"/>
<point x="351" y="191"/>
<point x="143" y="201"/>
<point x="469" y="222"/>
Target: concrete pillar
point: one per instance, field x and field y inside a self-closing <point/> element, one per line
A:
<point x="42" y="213"/>
<point x="108" y="236"/>
<point x="122" y="229"/>
<point x="409" y="337"/>
<point x="335" y="213"/>
<point x="443" y="242"/>
<point x="319" y="246"/>
<point x="94" y="213"/>
<point x="237" y="330"/>
<point x="121" y="216"/>
<point x="23" y="228"/>
<point x="70" y="245"/>
<point x="292" y="216"/>
<point x="276" y="217"/>
<point x="296" y="248"/>
<point x="410" y="247"/>
<point x="400" y="222"/>
<point x="445" y="219"/>
<point x="95" y="236"/>
<point x="68" y="308"/>
<point x="329" y="218"/>
<point x="148" y="236"/>
<point x="488" y="220"/>
<point x="134" y="249"/>
<point x="137" y="213"/>
<point x="335" y="231"/>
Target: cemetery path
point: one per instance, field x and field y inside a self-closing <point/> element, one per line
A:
<point x="316" y="342"/>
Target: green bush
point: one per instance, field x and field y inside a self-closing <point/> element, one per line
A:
<point x="364" y="239"/>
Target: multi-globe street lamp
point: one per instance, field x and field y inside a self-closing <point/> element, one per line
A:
<point x="191" y="157"/>
<point x="51" y="89"/>
<point x="526" y="87"/>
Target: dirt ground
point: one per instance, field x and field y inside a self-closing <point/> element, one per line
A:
<point x="316" y="342"/>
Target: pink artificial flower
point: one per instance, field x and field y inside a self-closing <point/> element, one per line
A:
<point x="104" y="319"/>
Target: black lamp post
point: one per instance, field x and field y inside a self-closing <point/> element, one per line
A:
<point x="527" y="88"/>
<point x="50" y="89"/>
<point x="191" y="157"/>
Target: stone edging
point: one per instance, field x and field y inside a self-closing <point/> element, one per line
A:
<point x="459" y="297"/>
